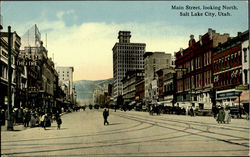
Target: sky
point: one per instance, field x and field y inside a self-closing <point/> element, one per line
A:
<point x="82" y="33"/>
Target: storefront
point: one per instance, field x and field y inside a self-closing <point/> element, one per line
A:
<point x="227" y="97"/>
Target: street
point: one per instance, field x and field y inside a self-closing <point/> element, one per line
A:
<point x="130" y="133"/>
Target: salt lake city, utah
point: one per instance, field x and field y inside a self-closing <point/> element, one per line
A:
<point x="124" y="78"/>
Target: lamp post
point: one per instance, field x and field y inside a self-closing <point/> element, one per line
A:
<point x="9" y="123"/>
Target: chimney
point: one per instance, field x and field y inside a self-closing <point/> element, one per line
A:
<point x="200" y="39"/>
<point x="210" y="33"/>
<point x="191" y="41"/>
<point x="181" y="51"/>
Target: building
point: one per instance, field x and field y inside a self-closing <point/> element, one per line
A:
<point x="245" y="61"/>
<point x="41" y="72"/>
<point x="229" y="64"/>
<point x="21" y="83"/>
<point x="194" y="80"/>
<point x="31" y="38"/>
<point x="65" y="75"/>
<point x="152" y="63"/>
<point x="128" y="83"/>
<point x="166" y="86"/>
<point x="15" y="50"/>
<point x="126" y="56"/>
<point x="139" y="90"/>
<point x="102" y="94"/>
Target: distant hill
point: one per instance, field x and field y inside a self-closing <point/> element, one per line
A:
<point x="85" y="88"/>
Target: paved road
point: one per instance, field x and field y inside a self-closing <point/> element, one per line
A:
<point x="130" y="134"/>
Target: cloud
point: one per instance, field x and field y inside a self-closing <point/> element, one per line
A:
<point x="60" y="14"/>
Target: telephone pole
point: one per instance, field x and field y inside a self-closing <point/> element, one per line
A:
<point x="10" y="123"/>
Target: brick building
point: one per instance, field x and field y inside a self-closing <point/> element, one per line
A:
<point x="194" y="86"/>
<point x="227" y="67"/>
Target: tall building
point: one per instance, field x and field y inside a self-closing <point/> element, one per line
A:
<point x="152" y="63"/>
<point x="41" y="73"/>
<point x="126" y="56"/>
<point x="65" y="75"/>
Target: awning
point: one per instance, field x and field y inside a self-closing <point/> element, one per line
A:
<point x="244" y="97"/>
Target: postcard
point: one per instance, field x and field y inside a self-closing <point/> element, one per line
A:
<point x="124" y="78"/>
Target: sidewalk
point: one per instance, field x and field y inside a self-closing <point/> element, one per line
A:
<point x="17" y="127"/>
<point x="20" y="127"/>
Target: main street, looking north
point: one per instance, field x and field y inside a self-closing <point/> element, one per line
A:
<point x="129" y="134"/>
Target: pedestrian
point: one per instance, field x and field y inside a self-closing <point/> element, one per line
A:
<point x="191" y="111"/>
<point x="227" y="115"/>
<point x="44" y="120"/>
<point x="105" y="116"/>
<point x="32" y="120"/>
<point x="221" y="116"/>
<point x="2" y="117"/>
<point x="27" y="117"/>
<point x="59" y="122"/>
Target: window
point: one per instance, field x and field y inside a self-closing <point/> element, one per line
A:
<point x="245" y="54"/>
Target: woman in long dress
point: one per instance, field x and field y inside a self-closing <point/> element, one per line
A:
<point x="221" y="116"/>
<point x="227" y="115"/>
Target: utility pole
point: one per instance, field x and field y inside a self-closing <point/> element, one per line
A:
<point x="10" y="123"/>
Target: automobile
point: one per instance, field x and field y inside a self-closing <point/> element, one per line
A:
<point x="234" y="111"/>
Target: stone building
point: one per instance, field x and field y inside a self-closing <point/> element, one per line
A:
<point x="126" y="56"/>
<point x="40" y="70"/>
<point x="129" y="85"/>
<point x="195" y="85"/>
<point x="65" y="75"/>
<point x="152" y="63"/>
<point x="15" y="49"/>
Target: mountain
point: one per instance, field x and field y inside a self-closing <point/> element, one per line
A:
<point x="85" y="88"/>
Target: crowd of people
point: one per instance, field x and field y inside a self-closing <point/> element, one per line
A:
<point x="31" y="118"/>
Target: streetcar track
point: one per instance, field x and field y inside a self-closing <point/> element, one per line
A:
<point x="59" y="138"/>
<point x="98" y="142"/>
<point x="141" y="122"/>
<point x="184" y="122"/>
<point x="200" y="123"/>
<point x="218" y="139"/>
<point x="189" y="128"/>
<point x="87" y="147"/>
